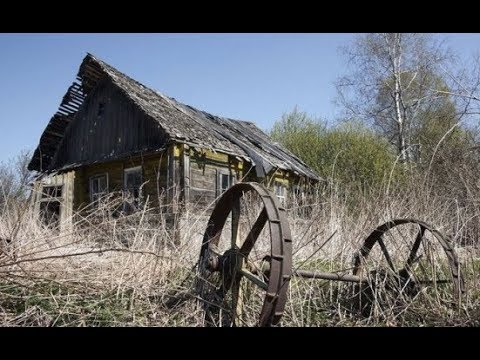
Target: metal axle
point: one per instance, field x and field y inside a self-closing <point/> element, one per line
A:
<point x="328" y="276"/>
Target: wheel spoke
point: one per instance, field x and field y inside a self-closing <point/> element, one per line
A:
<point x="254" y="233"/>
<point x="385" y="253"/>
<point x="416" y="245"/>
<point x="407" y="271"/>
<point x="255" y="279"/>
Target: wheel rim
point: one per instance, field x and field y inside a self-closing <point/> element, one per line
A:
<point x="243" y="273"/>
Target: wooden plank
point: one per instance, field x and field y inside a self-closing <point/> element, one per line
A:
<point x="170" y="174"/>
<point x="55" y="134"/>
<point x="186" y="173"/>
<point x="70" y="107"/>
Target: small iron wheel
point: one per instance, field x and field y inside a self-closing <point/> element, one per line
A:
<point x="409" y="258"/>
<point x="244" y="266"/>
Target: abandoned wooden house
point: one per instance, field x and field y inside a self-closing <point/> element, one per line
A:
<point x="113" y="134"/>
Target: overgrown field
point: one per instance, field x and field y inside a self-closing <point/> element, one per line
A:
<point x="123" y="271"/>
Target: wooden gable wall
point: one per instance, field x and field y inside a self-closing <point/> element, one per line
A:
<point x="108" y="125"/>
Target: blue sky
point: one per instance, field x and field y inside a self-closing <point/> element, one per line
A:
<point x="254" y="77"/>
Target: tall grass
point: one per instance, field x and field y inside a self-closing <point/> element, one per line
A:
<point x="125" y="270"/>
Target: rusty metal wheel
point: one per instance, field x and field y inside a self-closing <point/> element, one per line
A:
<point x="411" y="260"/>
<point x="245" y="266"/>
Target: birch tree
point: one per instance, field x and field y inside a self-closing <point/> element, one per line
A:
<point x="394" y="77"/>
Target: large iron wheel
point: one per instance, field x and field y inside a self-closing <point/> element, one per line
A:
<point x="245" y="266"/>
<point x="405" y="259"/>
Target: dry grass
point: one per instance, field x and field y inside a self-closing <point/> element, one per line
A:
<point x="122" y="271"/>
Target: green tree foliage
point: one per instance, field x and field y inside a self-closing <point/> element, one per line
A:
<point x="445" y="149"/>
<point x="301" y="134"/>
<point x="439" y="131"/>
<point x="348" y="153"/>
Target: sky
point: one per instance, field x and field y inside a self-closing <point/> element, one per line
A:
<point x="255" y="77"/>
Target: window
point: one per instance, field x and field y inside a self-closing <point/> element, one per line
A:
<point x="49" y="192"/>
<point x="101" y="109"/>
<point x="280" y="191"/>
<point x="132" y="183"/>
<point x="224" y="182"/>
<point x="98" y="187"/>
<point x="50" y="205"/>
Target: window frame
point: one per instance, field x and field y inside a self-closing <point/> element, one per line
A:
<point x="137" y="201"/>
<point x="46" y="197"/>
<point x="283" y="197"/>
<point x="46" y="201"/>
<point x="231" y="181"/>
<point x="90" y="182"/>
<point x="132" y="170"/>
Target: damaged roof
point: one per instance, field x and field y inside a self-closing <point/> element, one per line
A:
<point x="182" y="123"/>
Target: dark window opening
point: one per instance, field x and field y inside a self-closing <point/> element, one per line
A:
<point x="50" y="213"/>
<point x="225" y="181"/>
<point x="98" y="188"/>
<point x="133" y="188"/>
<point x="101" y="109"/>
<point x="50" y="205"/>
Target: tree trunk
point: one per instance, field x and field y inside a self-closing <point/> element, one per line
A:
<point x="395" y="56"/>
<point x="401" y="125"/>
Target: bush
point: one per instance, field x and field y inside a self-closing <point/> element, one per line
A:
<point x="348" y="154"/>
<point x="14" y="179"/>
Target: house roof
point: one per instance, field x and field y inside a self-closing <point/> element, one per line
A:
<point x="182" y="123"/>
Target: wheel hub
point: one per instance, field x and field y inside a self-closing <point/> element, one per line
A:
<point x="229" y="263"/>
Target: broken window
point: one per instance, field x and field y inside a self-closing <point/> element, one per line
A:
<point x="98" y="188"/>
<point x="280" y="191"/>
<point x="50" y="205"/>
<point x="132" y="183"/>
<point x="49" y="192"/>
